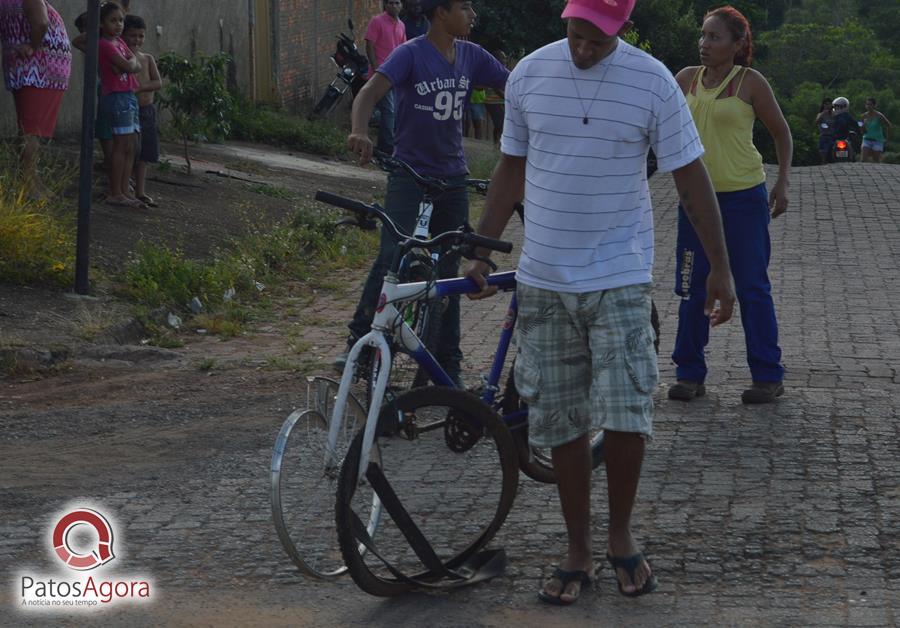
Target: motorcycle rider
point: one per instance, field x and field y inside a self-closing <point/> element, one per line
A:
<point x="844" y="125"/>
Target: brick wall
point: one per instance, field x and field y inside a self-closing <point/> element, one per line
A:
<point x="306" y="32"/>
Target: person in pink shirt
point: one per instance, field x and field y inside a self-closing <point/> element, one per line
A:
<point x="385" y="32"/>
<point x="118" y="79"/>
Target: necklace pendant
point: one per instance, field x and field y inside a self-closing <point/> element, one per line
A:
<point x="584" y="120"/>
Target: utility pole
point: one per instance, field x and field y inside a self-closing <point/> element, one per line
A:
<point x="88" y="106"/>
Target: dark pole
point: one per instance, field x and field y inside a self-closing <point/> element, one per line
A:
<point x="83" y="240"/>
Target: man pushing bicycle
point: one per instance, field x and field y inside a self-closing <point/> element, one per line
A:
<point x="432" y="78"/>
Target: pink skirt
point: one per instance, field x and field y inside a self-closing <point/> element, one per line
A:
<point x="37" y="109"/>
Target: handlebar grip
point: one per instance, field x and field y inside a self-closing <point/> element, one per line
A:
<point x="344" y="203"/>
<point x="489" y="243"/>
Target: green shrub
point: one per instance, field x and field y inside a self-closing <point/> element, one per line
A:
<point x="197" y="96"/>
<point x="157" y="275"/>
<point x="257" y="124"/>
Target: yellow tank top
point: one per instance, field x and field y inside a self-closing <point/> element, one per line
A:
<point x="726" y="130"/>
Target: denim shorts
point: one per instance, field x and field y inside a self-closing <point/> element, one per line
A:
<point x="873" y="145"/>
<point x="121" y="112"/>
<point x="476" y="111"/>
<point x="585" y="361"/>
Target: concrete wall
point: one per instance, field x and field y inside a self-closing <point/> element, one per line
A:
<point x="186" y="25"/>
<point x="306" y="33"/>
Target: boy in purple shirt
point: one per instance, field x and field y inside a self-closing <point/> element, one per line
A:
<point x="384" y="33"/>
<point x="432" y="79"/>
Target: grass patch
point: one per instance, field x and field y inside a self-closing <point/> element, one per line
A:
<point x="227" y="324"/>
<point x="257" y="124"/>
<point x="482" y="162"/>
<point x="37" y="235"/>
<point x="243" y="276"/>
<point x="274" y="191"/>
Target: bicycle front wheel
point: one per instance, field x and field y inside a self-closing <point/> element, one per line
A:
<point x="452" y="466"/>
<point x="304" y="476"/>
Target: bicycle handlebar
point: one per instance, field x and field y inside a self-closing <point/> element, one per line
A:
<point x="430" y="184"/>
<point x="463" y="235"/>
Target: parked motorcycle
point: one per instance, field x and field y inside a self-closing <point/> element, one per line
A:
<point x="352" y="70"/>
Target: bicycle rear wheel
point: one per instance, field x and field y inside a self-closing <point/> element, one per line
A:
<point x="303" y="485"/>
<point x="536" y="462"/>
<point x="456" y="478"/>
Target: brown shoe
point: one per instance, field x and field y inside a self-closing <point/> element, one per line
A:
<point x="762" y="392"/>
<point x="686" y="389"/>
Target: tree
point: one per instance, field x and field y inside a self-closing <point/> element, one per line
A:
<point x="519" y="26"/>
<point x="828" y="55"/>
<point x="197" y="96"/>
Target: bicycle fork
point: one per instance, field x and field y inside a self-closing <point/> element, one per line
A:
<point x="376" y="340"/>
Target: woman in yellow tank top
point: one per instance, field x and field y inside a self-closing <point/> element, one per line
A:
<point x="725" y="97"/>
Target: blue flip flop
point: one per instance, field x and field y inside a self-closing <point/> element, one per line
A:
<point x="630" y="564"/>
<point x="566" y="578"/>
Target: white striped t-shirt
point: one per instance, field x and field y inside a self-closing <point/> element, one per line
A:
<point x="588" y="219"/>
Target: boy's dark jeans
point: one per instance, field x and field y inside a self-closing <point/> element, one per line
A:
<point x="402" y="205"/>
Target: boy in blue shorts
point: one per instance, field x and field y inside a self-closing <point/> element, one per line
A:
<point x="150" y="82"/>
<point x="432" y="78"/>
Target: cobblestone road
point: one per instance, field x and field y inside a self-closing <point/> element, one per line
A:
<point x="785" y="514"/>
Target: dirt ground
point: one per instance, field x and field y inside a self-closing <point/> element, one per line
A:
<point x="93" y="410"/>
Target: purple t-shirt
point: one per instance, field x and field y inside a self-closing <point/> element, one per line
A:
<point x="432" y="95"/>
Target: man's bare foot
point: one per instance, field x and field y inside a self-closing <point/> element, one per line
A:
<point x="554" y="589"/>
<point x="622" y="552"/>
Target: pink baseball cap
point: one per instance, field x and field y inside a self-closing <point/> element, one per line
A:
<point x="607" y="15"/>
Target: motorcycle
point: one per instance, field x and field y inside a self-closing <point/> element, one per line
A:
<point x="352" y="70"/>
<point x="843" y="149"/>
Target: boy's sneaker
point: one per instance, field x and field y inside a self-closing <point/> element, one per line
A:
<point x="686" y="389"/>
<point x="762" y="392"/>
<point x="340" y="361"/>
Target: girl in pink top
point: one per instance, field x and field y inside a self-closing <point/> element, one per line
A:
<point x="118" y="67"/>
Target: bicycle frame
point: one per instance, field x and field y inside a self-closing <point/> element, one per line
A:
<point x="389" y="321"/>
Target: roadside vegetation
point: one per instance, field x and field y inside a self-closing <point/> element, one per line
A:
<point x="37" y="235"/>
<point x="225" y="292"/>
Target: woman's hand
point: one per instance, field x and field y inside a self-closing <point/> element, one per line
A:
<point x="25" y="50"/>
<point x="778" y="199"/>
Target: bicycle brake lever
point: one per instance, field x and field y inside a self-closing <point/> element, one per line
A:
<point x="469" y="253"/>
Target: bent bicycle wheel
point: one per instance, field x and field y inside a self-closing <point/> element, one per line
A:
<point x="453" y="473"/>
<point x="303" y="485"/>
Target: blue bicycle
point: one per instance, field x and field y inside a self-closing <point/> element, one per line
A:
<point x="442" y="448"/>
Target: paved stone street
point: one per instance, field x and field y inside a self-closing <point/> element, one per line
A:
<point x="787" y="514"/>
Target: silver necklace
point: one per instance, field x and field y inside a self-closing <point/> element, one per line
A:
<point x="586" y="111"/>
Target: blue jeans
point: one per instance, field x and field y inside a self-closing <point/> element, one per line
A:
<point x="402" y="205"/>
<point x="387" y="120"/>
<point x="745" y="218"/>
